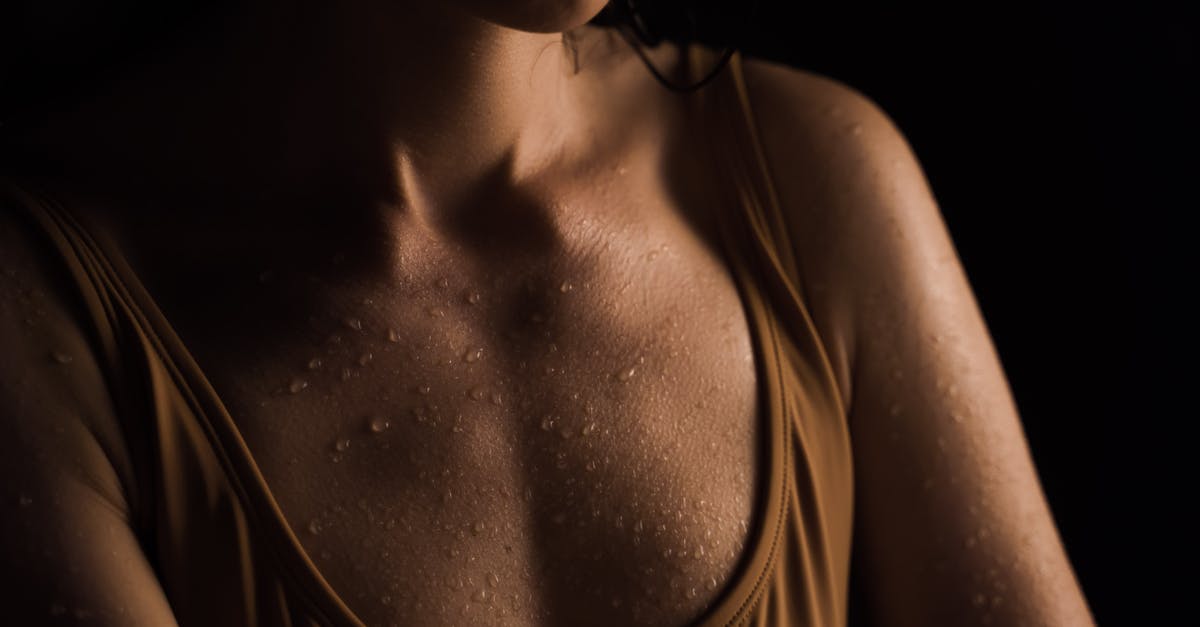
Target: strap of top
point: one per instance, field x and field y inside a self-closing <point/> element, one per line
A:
<point x="126" y="322"/>
<point x="735" y="142"/>
<point x="815" y="543"/>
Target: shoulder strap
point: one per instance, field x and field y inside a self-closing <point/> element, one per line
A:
<point x="754" y="222"/>
<point x="129" y="327"/>
<point x="116" y="345"/>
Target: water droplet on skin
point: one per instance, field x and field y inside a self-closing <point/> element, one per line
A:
<point x="341" y="445"/>
<point x="591" y="465"/>
<point x="61" y="358"/>
<point x="352" y="323"/>
<point x="638" y="527"/>
<point x="314" y="526"/>
<point x="481" y="595"/>
<point x="443" y="283"/>
<point x="477" y="393"/>
<point x="493" y="580"/>
<point x="436" y="312"/>
<point x="712" y="583"/>
<point x="297" y="386"/>
<point x="691" y="593"/>
<point x="393" y="336"/>
<point x="473" y="355"/>
<point x="365" y="359"/>
<point x="474" y="298"/>
<point x="346" y="374"/>
<point x="565" y="432"/>
<point x="386" y="600"/>
<point x="566" y="286"/>
<point x="379" y="424"/>
<point x="626" y="374"/>
<point x="956" y="417"/>
<point x="588" y="429"/>
<point x="315" y="363"/>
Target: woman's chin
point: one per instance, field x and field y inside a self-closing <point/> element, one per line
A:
<point x="535" y="16"/>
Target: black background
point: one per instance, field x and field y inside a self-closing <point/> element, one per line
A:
<point x="1060" y="143"/>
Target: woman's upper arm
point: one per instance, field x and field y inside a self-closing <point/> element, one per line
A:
<point x="70" y="555"/>
<point x="952" y="527"/>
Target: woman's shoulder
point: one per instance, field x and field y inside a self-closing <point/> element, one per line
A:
<point x="850" y="188"/>
<point x="51" y="379"/>
<point x="67" y="478"/>
<point x="821" y="122"/>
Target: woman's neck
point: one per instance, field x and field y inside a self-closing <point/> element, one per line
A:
<point x="395" y="104"/>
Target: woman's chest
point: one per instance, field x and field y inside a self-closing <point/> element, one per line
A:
<point x="564" y="439"/>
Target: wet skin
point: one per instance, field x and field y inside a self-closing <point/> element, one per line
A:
<point x="538" y="407"/>
<point x="497" y="373"/>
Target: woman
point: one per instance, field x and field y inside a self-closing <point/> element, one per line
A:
<point x="427" y="314"/>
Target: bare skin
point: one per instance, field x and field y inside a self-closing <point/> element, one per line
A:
<point x="474" y="326"/>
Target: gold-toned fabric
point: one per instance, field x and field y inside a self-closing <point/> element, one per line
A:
<point x="219" y="541"/>
<point x="798" y="562"/>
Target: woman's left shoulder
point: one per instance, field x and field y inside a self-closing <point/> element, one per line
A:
<point x="820" y="123"/>
<point x="853" y="196"/>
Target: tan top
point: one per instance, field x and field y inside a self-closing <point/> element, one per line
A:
<point x="219" y="541"/>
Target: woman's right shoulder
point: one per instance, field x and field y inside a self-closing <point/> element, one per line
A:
<point x="36" y="292"/>
<point x="72" y="552"/>
<point x="56" y="407"/>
